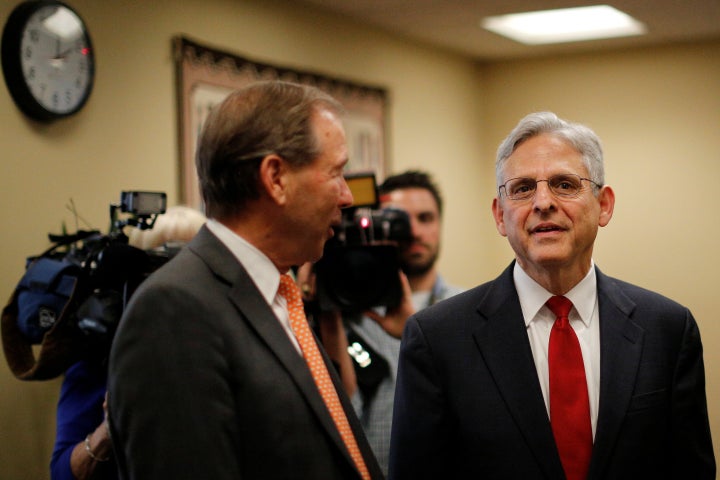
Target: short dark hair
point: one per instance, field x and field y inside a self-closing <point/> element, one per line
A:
<point x="412" y="179"/>
<point x="251" y="123"/>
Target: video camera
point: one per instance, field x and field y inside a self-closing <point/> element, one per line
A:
<point x="112" y="264"/>
<point x="359" y="267"/>
<point x="72" y="296"/>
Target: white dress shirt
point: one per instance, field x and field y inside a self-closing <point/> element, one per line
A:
<point x="584" y="319"/>
<point x="262" y="271"/>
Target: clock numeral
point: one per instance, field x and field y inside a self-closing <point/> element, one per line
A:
<point x="28" y="52"/>
<point x="31" y="73"/>
<point x="68" y="97"/>
<point x="34" y="35"/>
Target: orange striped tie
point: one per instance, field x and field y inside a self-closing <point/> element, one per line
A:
<point x="318" y="369"/>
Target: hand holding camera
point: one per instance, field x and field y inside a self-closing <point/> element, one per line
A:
<point x="393" y="321"/>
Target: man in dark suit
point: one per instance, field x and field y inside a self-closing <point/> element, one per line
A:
<point x="485" y="378"/>
<point x="208" y="377"/>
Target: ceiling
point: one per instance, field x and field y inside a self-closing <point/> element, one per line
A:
<point x="454" y="24"/>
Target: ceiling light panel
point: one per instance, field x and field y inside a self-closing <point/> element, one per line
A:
<point x="564" y="25"/>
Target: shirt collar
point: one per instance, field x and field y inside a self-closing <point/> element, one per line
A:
<point x="260" y="268"/>
<point x="533" y="296"/>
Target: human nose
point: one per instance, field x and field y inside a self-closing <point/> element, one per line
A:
<point x="346" y="196"/>
<point x="415" y="227"/>
<point x="543" y="197"/>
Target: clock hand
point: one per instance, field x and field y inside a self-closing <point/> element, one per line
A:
<point x="61" y="56"/>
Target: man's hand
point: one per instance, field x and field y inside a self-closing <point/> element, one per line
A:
<point x="393" y="322"/>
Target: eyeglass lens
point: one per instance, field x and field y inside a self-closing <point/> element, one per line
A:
<point x="564" y="185"/>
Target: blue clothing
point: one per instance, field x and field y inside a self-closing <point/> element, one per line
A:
<point x="79" y="412"/>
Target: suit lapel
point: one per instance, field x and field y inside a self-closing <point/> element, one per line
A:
<point x="245" y="296"/>
<point x="621" y="342"/>
<point x="503" y="343"/>
<point x="502" y="340"/>
<point x="263" y="320"/>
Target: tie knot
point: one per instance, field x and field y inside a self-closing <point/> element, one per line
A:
<point x="560" y="306"/>
<point x="289" y="289"/>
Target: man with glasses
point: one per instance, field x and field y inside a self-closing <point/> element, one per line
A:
<point x="553" y="370"/>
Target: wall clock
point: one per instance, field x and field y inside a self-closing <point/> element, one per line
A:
<point x="47" y="59"/>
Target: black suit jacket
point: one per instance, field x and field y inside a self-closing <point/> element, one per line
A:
<point x="204" y="382"/>
<point x="468" y="402"/>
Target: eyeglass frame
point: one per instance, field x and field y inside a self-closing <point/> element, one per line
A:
<point x="547" y="180"/>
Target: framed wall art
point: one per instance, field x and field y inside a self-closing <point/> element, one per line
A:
<point x="205" y="76"/>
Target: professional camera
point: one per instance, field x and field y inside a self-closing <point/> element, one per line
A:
<point x="115" y="268"/>
<point x="360" y="265"/>
<point x="71" y="296"/>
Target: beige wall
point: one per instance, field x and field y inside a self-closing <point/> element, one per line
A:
<point x="654" y="108"/>
<point x="126" y="139"/>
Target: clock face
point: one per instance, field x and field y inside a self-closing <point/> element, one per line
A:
<point x="56" y="58"/>
<point x="48" y="59"/>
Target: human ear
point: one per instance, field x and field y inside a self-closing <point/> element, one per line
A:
<point x="274" y="177"/>
<point x="498" y="215"/>
<point x="606" y="198"/>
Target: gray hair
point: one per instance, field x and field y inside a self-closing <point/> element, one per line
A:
<point x="580" y="137"/>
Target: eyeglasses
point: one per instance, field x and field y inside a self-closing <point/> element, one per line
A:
<point x="565" y="185"/>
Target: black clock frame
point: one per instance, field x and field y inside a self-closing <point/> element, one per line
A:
<point x="12" y="66"/>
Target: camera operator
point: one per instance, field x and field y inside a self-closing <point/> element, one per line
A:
<point x="376" y="334"/>
<point x="83" y="449"/>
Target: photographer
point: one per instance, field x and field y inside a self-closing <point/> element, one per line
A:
<point x="83" y="449"/>
<point x="376" y="334"/>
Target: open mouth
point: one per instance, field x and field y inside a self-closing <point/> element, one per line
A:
<point x="547" y="229"/>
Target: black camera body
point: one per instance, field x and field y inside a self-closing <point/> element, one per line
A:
<point x="77" y="289"/>
<point x="360" y="267"/>
<point x="115" y="268"/>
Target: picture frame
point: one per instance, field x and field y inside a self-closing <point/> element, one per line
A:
<point x="206" y="75"/>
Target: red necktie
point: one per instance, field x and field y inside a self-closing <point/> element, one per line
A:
<point x="318" y="369"/>
<point x="569" y="403"/>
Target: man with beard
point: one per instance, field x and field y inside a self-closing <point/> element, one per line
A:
<point x="378" y="332"/>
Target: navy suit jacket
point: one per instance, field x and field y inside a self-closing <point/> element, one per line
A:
<point x="468" y="402"/>
<point x="205" y="383"/>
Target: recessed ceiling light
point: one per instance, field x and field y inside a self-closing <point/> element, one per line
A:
<point x="564" y="25"/>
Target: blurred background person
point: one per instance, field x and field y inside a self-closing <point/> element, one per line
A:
<point x="416" y="193"/>
<point x="369" y="373"/>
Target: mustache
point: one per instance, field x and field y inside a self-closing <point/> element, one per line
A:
<point x="410" y="243"/>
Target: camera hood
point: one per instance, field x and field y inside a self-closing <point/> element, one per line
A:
<point x="355" y="278"/>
